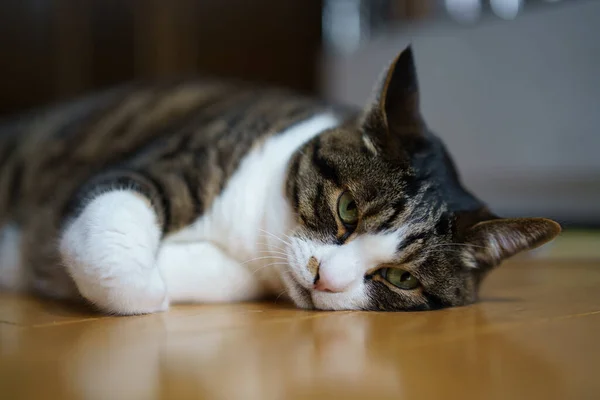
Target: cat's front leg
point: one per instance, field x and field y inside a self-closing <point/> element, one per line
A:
<point x="201" y="272"/>
<point x="109" y="247"/>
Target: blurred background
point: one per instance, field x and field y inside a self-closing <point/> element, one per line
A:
<point x="512" y="86"/>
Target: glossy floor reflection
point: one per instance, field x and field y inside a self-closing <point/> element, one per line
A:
<point x="533" y="336"/>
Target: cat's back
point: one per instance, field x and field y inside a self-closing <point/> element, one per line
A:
<point x="121" y="118"/>
<point x="46" y="154"/>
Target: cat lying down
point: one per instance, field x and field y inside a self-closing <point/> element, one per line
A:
<point x="206" y="191"/>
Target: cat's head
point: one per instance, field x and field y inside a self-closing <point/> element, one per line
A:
<point x="384" y="222"/>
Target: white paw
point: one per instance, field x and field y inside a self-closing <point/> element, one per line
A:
<point x="110" y="251"/>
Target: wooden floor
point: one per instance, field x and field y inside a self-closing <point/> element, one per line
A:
<point x="534" y="335"/>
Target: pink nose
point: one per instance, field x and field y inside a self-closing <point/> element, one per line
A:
<point x="322" y="286"/>
<point x="325" y="285"/>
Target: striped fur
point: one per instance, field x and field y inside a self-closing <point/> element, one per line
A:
<point x="219" y="191"/>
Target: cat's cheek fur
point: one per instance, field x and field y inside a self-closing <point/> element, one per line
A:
<point x="110" y="251"/>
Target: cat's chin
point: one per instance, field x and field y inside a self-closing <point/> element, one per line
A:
<point x="298" y="293"/>
<point x="343" y="301"/>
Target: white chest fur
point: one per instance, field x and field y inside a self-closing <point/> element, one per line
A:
<point x="249" y="220"/>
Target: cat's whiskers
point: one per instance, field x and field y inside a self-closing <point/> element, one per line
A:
<point x="275" y="236"/>
<point x="287" y="236"/>
<point x="272" y="249"/>
<point x="274" y="257"/>
<point x="270" y="245"/>
<point x="280" y="294"/>
<point x="277" y="264"/>
<point x="272" y="252"/>
<point x="275" y="245"/>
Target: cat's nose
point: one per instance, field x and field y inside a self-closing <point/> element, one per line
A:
<point x="323" y="287"/>
<point x="326" y="284"/>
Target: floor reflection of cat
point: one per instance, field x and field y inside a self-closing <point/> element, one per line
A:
<point x="348" y="355"/>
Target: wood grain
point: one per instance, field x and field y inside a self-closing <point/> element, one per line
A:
<point x="533" y="335"/>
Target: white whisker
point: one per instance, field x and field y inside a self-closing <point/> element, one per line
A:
<point x="276" y="237"/>
<point x="270" y="245"/>
<point x="264" y="258"/>
<point x="269" y="265"/>
<point x="280" y="294"/>
<point x="281" y="240"/>
<point x="273" y="252"/>
<point x="287" y="236"/>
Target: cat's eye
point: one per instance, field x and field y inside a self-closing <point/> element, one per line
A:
<point x="347" y="209"/>
<point x="400" y="278"/>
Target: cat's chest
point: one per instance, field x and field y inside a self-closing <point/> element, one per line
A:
<point x="250" y="218"/>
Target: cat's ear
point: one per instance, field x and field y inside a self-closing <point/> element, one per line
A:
<point x="395" y="113"/>
<point x="495" y="240"/>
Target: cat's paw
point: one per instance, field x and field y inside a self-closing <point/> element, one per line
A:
<point x="110" y="252"/>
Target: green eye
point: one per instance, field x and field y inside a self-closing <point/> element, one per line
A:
<point x="347" y="209"/>
<point x="400" y="278"/>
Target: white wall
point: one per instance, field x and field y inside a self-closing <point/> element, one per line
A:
<point x="518" y="104"/>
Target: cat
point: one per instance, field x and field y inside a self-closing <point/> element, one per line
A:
<point x="145" y="196"/>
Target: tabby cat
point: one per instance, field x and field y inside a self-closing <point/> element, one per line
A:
<point x="150" y="195"/>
